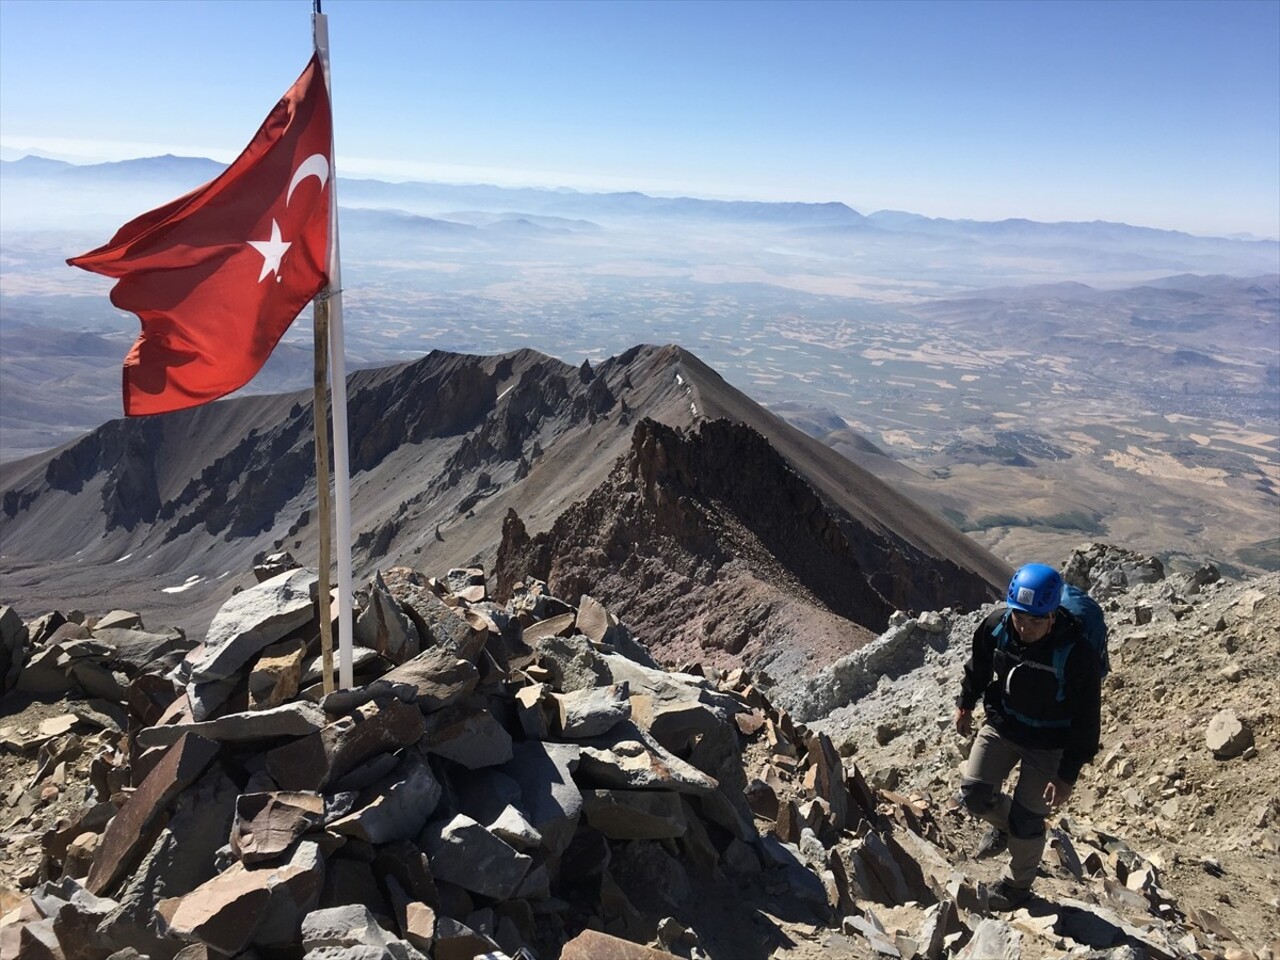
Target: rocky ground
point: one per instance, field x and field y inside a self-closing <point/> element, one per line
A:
<point x="1184" y="650"/>
<point x="523" y="780"/>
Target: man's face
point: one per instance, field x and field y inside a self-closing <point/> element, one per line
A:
<point x="1031" y="629"/>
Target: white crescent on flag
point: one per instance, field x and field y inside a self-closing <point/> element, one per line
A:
<point x="316" y="165"/>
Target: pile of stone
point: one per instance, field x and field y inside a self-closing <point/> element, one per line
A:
<point x="472" y="793"/>
<point x="501" y="781"/>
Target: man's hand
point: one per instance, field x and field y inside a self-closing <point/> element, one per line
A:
<point x="964" y="723"/>
<point x="1056" y="792"/>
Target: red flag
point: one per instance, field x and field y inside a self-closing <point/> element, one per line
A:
<point x="217" y="276"/>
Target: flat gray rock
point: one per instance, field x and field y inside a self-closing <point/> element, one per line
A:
<point x="510" y="825"/>
<point x="592" y="711"/>
<point x="549" y="798"/>
<point x="251" y="620"/>
<point x="137" y="650"/>
<point x="297" y="719"/>
<point x="399" y="805"/>
<point x="464" y="852"/>
<point x="384" y="627"/>
<point x="993" y="940"/>
<point x="628" y="758"/>
<point x="469" y="736"/>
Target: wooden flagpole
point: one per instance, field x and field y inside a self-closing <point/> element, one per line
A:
<point x="320" y="411"/>
<point x="330" y="304"/>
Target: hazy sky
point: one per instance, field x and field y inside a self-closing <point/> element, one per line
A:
<point x="1158" y="113"/>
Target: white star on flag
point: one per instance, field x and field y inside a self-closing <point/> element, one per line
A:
<point x="272" y="250"/>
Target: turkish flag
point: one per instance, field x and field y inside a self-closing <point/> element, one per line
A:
<point x="217" y="276"/>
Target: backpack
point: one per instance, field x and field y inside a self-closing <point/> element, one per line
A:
<point x="1092" y="626"/>
<point x="1085" y="609"/>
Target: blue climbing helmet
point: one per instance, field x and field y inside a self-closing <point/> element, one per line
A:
<point x="1036" y="589"/>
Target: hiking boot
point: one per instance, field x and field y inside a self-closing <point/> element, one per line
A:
<point x="993" y="842"/>
<point x="1005" y="897"/>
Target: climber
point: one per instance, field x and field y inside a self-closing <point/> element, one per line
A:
<point x="1040" y="685"/>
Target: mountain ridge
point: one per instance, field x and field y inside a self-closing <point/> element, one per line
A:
<point x="442" y="449"/>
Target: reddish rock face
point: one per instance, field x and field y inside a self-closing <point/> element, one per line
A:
<point x="124" y="839"/>
<point x="594" y="945"/>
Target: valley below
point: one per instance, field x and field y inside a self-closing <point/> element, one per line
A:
<point x="1038" y="385"/>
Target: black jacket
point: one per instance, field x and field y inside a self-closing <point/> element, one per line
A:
<point x="1024" y="698"/>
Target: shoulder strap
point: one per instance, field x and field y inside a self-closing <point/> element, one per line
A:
<point x="1060" y="655"/>
<point x="1000" y="630"/>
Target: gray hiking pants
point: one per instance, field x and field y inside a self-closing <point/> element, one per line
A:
<point x="1021" y="816"/>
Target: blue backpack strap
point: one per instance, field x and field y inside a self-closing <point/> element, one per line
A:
<point x="1060" y="655"/>
<point x="1001" y="632"/>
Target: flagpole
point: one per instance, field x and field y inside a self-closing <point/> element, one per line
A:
<point x="338" y="377"/>
<point x="324" y="510"/>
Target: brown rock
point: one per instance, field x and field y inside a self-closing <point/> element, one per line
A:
<point x="762" y="799"/>
<point x="456" y="941"/>
<point x="749" y="724"/>
<point x="147" y="696"/>
<point x="231" y="911"/>
<point x="440" y="677"/>
<point x="594" y="945"/>
<point x="861" y="794"/>
<point x="533" y="706"/>
<point x="1228" y="736"/>
<point x="560" y="626"/>
<point x="419" y="925"/>
<point x="778" y="741"/>
<point x="594" y="621"/>
<point x="829" y="779"/>
<point x="131" y="828"/>
<point x="34" y="940"/>
<point x="267" y="824"/>
<point x="788" y="825"/>
<point x="80" y="855"/>
<point x="277" y="675"/>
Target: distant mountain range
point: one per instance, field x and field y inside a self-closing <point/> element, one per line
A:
<point x="179" y="174"/>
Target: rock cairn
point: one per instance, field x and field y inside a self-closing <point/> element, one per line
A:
<point x="517" y="781"/>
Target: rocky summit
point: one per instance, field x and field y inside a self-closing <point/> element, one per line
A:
<point x="525" y="780"/>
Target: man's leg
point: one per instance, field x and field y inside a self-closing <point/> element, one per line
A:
<point x="1027" y="813"/>
<point x="990" y="760"/>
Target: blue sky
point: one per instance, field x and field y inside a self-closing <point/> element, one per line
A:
<point x="1163" y="114"/>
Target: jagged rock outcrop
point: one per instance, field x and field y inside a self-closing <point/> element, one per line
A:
<point x="687" y="518"/>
